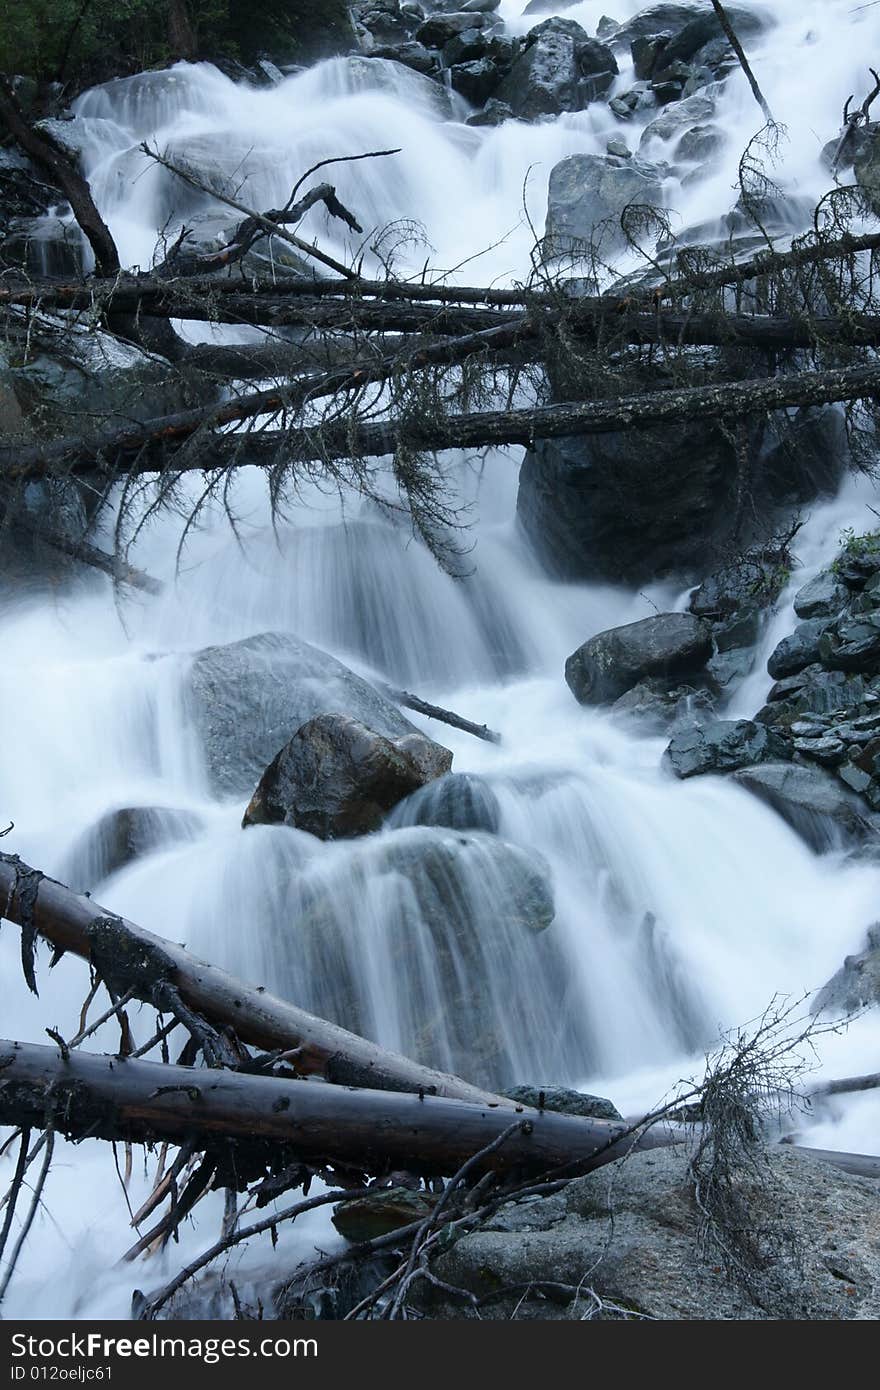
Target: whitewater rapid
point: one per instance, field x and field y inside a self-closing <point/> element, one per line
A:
<point x="91" y="696"/>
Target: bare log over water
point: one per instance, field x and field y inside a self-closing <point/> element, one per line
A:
<point x="119" y="1099"/>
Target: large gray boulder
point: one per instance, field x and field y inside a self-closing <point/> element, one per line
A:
<point x="671" y="645"/>
<point x="336" y="778"/>
<point x="822" y="597"/>
<point x="587" y="195"/>
<point x="631" y="1238"/>
<point x="560" y="69"/>
<point x="247" y="699"/>
<point x="813" y="802"/>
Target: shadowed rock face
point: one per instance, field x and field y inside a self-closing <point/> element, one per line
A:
<point x="336" y="778"/>
<point x="612" y="662"/>
<point x="560" y="69"/>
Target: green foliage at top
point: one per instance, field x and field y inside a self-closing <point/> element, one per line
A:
<point x="855" y="547"/>
<point x="83" y="41"/>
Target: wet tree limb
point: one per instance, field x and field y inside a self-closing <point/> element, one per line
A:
<point x="148" y="447"/>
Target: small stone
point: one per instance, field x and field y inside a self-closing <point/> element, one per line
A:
<point x="619" y="148"/>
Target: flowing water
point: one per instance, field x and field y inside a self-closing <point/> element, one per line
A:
<point x="680" y="908"/>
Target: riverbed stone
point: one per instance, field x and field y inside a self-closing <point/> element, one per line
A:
<point x="724" y="745"/>
<point x="669" y="645"/>
<point x="625" y="1242"/>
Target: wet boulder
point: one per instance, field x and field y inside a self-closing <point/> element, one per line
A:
<point x="123" y="836"/>
<point x="753" y="582"/>
<point x="337" y="778"/>
<point x="559" y="69"/>
<point x="245" y="700"/>
<point x="439" y="29"/>
<point x="670" y="645"/>
<point x="380" y="1211"/>
<point x="459" y="801"/>
<point x="866" y="164"/>
<point x="587" y="195"/>
<point x="630" y="506"/>
<point x="799" y="650"/>
<point x="463" y="919"/>
<point x="813" y="802"/>
<point x="823" y="597"/>
<point x="660" y="708"/>
<point x="724" y="745"/>
<point x="639" y="1236"/>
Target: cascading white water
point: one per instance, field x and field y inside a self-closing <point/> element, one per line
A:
<point x="680" y="908"/>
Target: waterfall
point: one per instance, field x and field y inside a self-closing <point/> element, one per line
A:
<point x="678" y="909"/>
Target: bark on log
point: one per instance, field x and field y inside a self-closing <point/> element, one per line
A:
<point x="116" y="1098"/>
<point x="131" y="958"/>
<point x="145" y="448"/>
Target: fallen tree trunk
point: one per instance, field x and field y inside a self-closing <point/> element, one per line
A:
<point x="144" y="448"/>
<point x="114" y="1098"/>
<point x="618" y="317"/>
<point x="132" y="959"/>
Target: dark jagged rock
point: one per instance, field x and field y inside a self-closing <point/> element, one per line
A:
<point x="437" y="31"/>
<point x="475" y="81"/>
<point x="460" y="801"/>
<point x="724" y="745"/>
<point x="470" y="44"/>
<point x="564" y="1101"/>
<point x="559" y="69"/>
<point x="627" y="507"/>
<point x="337" y="778"/>
<point x="411" y="55"/>
<point x="813" y="802"/>
<point x="493" y="113"/>
<point x="866" y="164"/>
<point x="823" y="597"/>
<point x="660" y="708"/>
<point x="670" y="645"/>
<point x="751" y="583"/>
<point x="799" y="650"/>
<point x="246" y="699"/>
